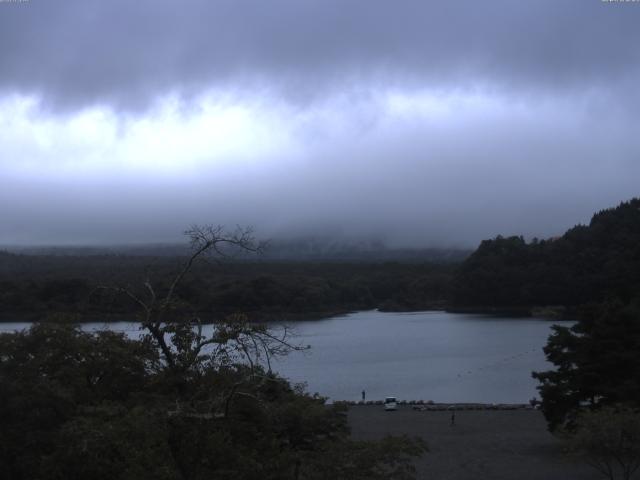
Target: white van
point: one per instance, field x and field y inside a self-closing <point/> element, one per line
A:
<point x="390" y="403"/>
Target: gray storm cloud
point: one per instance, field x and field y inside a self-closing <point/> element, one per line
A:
<point x="74" y="52"/>
<point x="419" y="123"/>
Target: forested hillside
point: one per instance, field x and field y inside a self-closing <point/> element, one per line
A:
<point x="587" y="264"/>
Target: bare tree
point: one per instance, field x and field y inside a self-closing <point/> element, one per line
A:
<point x="182" y="343"/>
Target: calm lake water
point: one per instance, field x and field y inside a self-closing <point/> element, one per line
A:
<point x="444" y="357"/>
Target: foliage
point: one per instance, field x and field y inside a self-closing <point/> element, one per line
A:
<point x="597" y="363"/>
<point x="609" y="440"/>
<point x="48" y="374"/>
<point x="587" y="264"/>
<point x="81" y="405"/>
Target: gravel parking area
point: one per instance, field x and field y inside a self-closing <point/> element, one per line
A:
<point x="483" y="444"/>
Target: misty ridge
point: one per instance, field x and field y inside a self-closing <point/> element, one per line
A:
<point x="301" y="249"/>
<point x="557" y="276"/>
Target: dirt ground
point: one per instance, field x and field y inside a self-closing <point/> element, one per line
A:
<point x="483" y="444"/>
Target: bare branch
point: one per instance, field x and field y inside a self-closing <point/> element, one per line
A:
<point x="234" y="339"/>
<point x="204" y="238"/>
<point x="152" y="292"/>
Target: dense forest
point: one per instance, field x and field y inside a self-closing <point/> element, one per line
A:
<point x="588" y="264"/>
<point x="46" y="286"/>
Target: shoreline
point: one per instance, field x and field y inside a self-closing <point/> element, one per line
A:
<point x="207" y="319"/>
<point x="429" y="406"/>
<point x="551" y="313"/>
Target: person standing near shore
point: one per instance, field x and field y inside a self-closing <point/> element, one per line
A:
<point x="363" y="395"/>
<point x="453" y="418"/>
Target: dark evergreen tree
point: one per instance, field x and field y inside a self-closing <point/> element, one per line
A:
<point x="597" y="363"/>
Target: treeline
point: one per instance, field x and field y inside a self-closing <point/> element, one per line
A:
<point x="587" y="265"/>
<point x="45" y="286"/>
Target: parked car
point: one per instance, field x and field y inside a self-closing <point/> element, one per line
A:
<point x="390" y="403"/>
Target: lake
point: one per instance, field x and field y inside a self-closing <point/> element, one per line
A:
<point x="439" y="356"/>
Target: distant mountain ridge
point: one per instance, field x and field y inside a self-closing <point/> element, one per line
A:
<point x="305" y="249"/>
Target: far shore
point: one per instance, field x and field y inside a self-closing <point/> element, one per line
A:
<point x="548" y="312"/>
<point x="206" y="318"/>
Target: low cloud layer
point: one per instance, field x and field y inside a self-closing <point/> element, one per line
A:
<point x="418" y="123"/>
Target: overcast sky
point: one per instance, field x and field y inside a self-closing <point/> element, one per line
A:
<point x="413" y="122"/>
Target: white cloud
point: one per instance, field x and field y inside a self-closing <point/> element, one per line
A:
<point x="171" y="139"/>
<point x="418" y="167"/>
